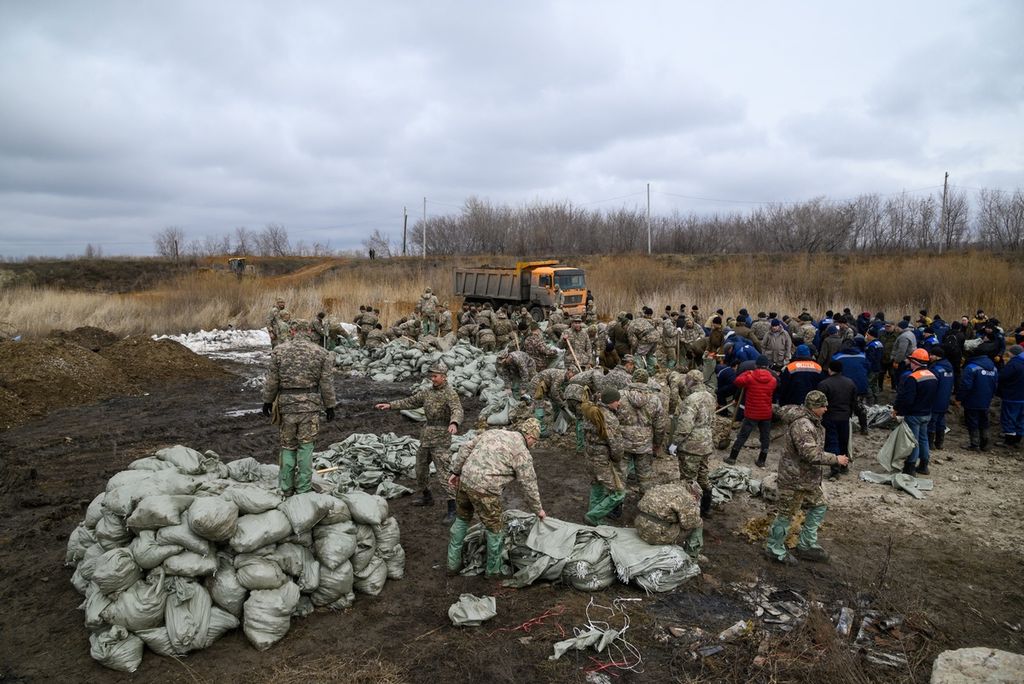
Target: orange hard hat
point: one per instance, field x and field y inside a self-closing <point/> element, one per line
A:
<point x="920" y="355"/>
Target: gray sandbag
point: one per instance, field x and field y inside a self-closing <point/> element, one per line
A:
<point x="127" y="477"/>
<point x="245" y="470"/>
<point x="395" y="561"/>
<point x="158" y="510"/>
<point x="387" y="535"/>
<point x="335" y="544"/>
<point x="300" y="564"/>
<point x="655" y="568"/>
<point x="189" y="564"/>
<point x="213" y="518"/>
<point x="304" y="539"/>
<point x="221" y="621"/>
<point x="470" y="610"/>
<point x="94" y="511"/>
<point x="116" y="648"/>
<point x="339" y="513"/>
<point x="93" y="606"/>
<point x="366" y="543"/>
<point x="370" y="580"/>
<point x="306" y="510"/>
<point x="589" y="567"/>
<point x="258" y="570"/>
<point x="267" y="614"/>
<point x="260" y="529"/>
<point x="149" y="553"/>
<point x="150" y="463"/>
<point x="123" y="499"/>
<point x="335" y="589"/>
<point x="304" y="607"/>
<point x="115" y="571"/>
<point x="224" y="587"/>
<point x="141" y="606"/>
<point x="251" y="498"/>
<point x="187" y="461"/>
<point x="83" y="573"/>
<point x="111" y="532"/>
<point x="158" y="641"/>
<point x="182" y="535"/>
<point x="187" y="614"/>
<point x="78" y="543"/>
<point x="366" y="509"/>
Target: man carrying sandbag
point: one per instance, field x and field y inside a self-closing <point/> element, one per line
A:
<point x="669" y="510"/>
<point x="604" y="450"/>
<point x="481" y="470"/>
<point x="443" y="410"/>
<point x="301" y="380"/>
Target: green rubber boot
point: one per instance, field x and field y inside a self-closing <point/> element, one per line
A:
<point x="304" y="478"/>
<point x="495" y="543"/>
<point x="807" y="546"/>
<point x="606" y="505"/>
<point x="286" y="474"/>
<point x="694" y="543"/>
<point x="597" y="493"/>
<point x="580" y="443"/>
<point x="456" y="535"/>
<point x="538" y="413"/>
<point x="776" y="544"/>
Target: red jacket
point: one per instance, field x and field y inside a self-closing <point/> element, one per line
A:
<point x="757" y="399"/>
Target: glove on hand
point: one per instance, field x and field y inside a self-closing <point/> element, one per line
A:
<point x="266" y="409"/>
<point x="330" y="414"/>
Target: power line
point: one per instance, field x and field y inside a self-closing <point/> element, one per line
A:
<point x="739" y="201"/>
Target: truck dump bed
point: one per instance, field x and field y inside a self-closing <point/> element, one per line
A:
<point x="489" y="283"/>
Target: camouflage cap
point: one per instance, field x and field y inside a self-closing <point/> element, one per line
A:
<point x="694" y="378"/>
<point x="576" y="319"/>
<point x="428" y="291"/>
<point x="641" y="375"/>
<point x="439" y="367"/>
<point x="628" y="358"/>
<point x="529" y="428"/>
<point x="610" y="396"/>
<point x="621" y="316"/>
<point x="815" y="399"/>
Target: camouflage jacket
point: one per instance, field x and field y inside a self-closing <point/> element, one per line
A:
<point x="467" y="318"/>
<point x="760" y="328"/>
<point x="427" y="304"/>
<point x="301" y="377"/>
<point x="617" y="377"/>
<point x="807" y="333"/>
<point x="282" y="330"/>
<point x="580" y="341"/>
<point x="556" y="317"/>
<point x="676" y="391"/>
<point x="800" y="466"/>
<point x="538" y="350"/>
<point x="487" y="316"/>
<point x="375" y="339"/>
<point x="502" y="327"/>
<point x="367" y="321"/>
<point x="693" y="429"/>
<point x="693" y="334"/>
<point x="520" y="366"/>
<point x="669" y="333"/>
<point x="590" y="379"/>
<point x="667" y="510"/>
<point x="618" y="333"/>
<point x="601" y="432"/>
<point x="444" y="322"/>
<point x="485" y="335"/>
<point x="642" y="420"/>
<point x="550" y="383"/>
<point x="272" y="322"/>
<point x="441" y="406"/>
<point x="642" y="332"/>
<point x="487" y="463"/>
<point x="322" y="327"/>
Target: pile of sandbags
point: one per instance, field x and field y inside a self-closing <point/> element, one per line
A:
<point x="584" y="557"/>
<point x="181" y="547"/>
<point x="368" y="460"/>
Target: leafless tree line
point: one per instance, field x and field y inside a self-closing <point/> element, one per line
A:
<point x="271" y="240"/>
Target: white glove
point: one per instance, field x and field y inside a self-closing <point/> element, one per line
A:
<point x="672" y="450"/>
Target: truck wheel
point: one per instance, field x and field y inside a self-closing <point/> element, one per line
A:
<point x="537" y="313"/>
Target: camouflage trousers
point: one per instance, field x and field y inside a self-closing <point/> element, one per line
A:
<point x="658" y="532"/>
<point x="667" y="356"/>
<point x="604" y="471"/>
<point x="442" y="459"/>
<point x="694" y="467"/>
<point x="487" y="506"/>
<point x="299" y="428"/>
<point x="643" y="466"/>
<point x="791" y="501"/>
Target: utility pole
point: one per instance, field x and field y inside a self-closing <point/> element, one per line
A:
<point x="942" y="221"/>
<point x="648" y="218"/>
<point x="405" y="229"/>
<point x="424" y="228"/>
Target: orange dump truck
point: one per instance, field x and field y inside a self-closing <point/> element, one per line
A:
<point x="530" y="284"/>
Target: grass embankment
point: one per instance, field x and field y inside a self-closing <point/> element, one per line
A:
<point x="951" y="284"/>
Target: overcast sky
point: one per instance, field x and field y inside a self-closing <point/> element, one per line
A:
<point x="120" y="118"/>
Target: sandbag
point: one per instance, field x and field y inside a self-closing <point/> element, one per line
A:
<point x="251" y="499"/>
<point x="141" y="606"/>
<point x="470" y="610"/>
<point x="93" y="606"/>
<point x="116" y="649"/>
<point x="224" y="587"/>
<point x="150" y="463"/>
<point x="306" y="510"/>
<point x="335" y="586"/>
<point x="187" y="461"/>
<point x="366" y="543"/>
<point x="189" y="564"/>
<point x="182" y="535"/>
<point x="366" y="509"/>
<point x="267" y="614"/>
<point x="304" y="607"/>
<point x="298" y="562"/>
<point x="122" y="500"/>
<point x="187" y="614"/>
<point x="258" y="571"/>
<point x="339" y="513"/>
<point x="78" y="543"/>
<point x="246" y="470"/>
<point x="115" y="571"/>
<point x="159" y="510"/>
<point x="221" y="621"/>
<point x="88" y="564"/>
<point x="335" y="544"/>
<point x="213" y="518"/>
<point x="127" y="478"/>
<point x="387" y="535"/>
<point x="111" y="532"/>
<point x="149" y="553"/>
<point x="395" y="561"/>
<point x="95" y="511"/>
<point x="372" y="578"/>
<point x="257" y="530"/>
<point x="304" y="539"/>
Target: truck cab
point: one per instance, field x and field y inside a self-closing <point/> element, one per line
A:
<point x="542" y="280"/>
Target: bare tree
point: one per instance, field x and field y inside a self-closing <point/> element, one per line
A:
<point x="93" y="251"/>
<point x="273" y="241"/>
<point x="243" y="241"/>
<point x="379" y="244"/>
<point x="1001" y="219"/>
<point x="170" y="242"/>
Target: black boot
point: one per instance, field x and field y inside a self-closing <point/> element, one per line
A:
<point x="705" y="504"/>
<point x="426" y="499"/>
<point x="940" y="439"/>
<point x="909" y="468"/>
<point x="973" y="446"/>
<point x="733" y="455"/>
<point x="616" y="513"/>
<point x="762" y="458"/>
<point x="983" y="442"/>
<point x="449" y="517"/>
<point x="931" y="440"/>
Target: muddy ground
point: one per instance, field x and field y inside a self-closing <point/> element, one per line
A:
<point x="951" y="564"/>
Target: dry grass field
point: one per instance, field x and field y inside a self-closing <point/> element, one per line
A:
<point x="951" y="284"/>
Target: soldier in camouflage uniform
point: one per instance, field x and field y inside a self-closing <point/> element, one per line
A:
<point x="283" y="326"/>
<point x="642" y="423"/>
<point x="643" y="339"/>
<point x="603" y="450"/>
<point x="692" y="437"/>
<point x="620" y="376"/>
<point x="444" y="320"/>
<point x="443" y="410"/>
<point x="485" y="338"/>
<point x="301" y="381"/>
<point x="486" y="315"/>
<point x="669" y="510"/>
<point x="517" y="369"/>
<point x="481" y="470"/>
<point x="427" y="308"/>
<point x="688" y="335"/>
<point x="538" y="350"/>
<point x="272" y="317"/>
<point x="367" y="321"/>
<point x="375" y="340"/>
<point x="618" y="333"/>
<point x="668" y="345"/>
<point x="503" y="330"/>
<point x="550" y="383"/>
<point x="322" y="329"/>
<point x="580" y="341"/>
<point x="800" y="480"/>
<point x="591" y="380"/>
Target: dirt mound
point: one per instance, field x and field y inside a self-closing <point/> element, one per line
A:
<point x="40" y="376"/>
<point x="146" y="361"/>
<point x="87" y="336"/>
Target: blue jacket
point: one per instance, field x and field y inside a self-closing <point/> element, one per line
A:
<point x="943" y="370"/>
<point x="874" y="353"/>
<point x="726" y="379"/>
<point x="855" y="367"/>
<point x="1011" y="380"/>
<point x="940" y="328"/>
<point x="929" y="341"/>
<point x="977" y="383"/>
<point x="799" y="377"/>
<point x="915" y="395"/>
<point x="743" y="349"/>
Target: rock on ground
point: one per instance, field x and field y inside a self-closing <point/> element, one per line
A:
<point x="977" y="666"/>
